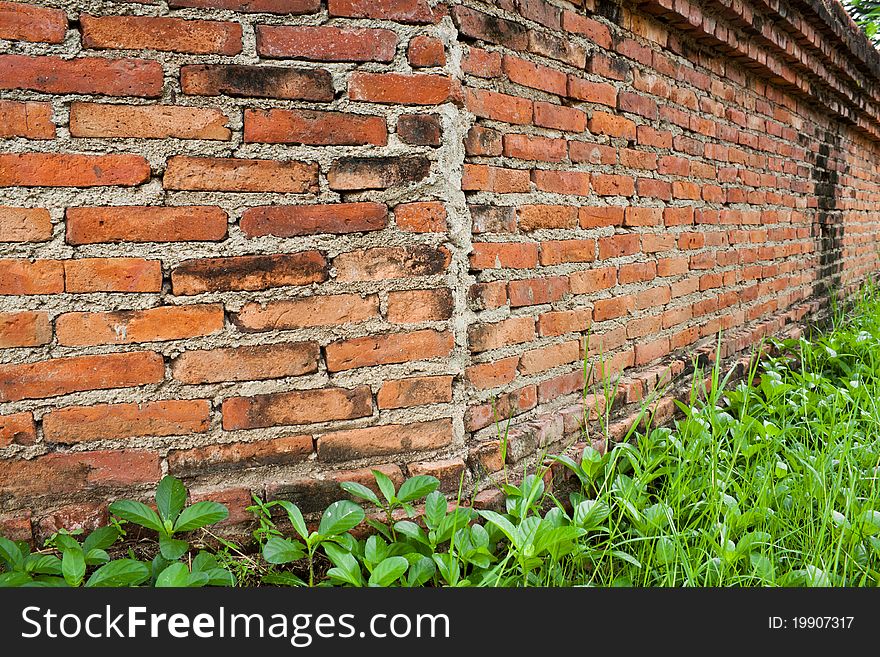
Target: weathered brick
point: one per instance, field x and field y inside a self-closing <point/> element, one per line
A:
<point x="254" y="6"/>
<point x="481" y="63"/>
<point x="313" y="495"/>
<point x="402" y="89"/>
<point x="21" y="276"/>
<point x="618" y="245"/>
<point x="29" y="328"/>
<point x="448" y="471"/>
<point x="71" y="170"/>
<point x="384" y="263"/>
<point x="384" y="439"/>
<point x="592" y="29"/>
<point x="413" y="306"/>
<point x="507" y="332"/>
<point x="83" y="75"/>
<point x="500" y="409"/>
<point x="24" y="224"/>
<point x="559" y="117"/>
<point x="495" y="373"/>
<point x="492" y="219"/>
<point x="534" y="75"/>
<point x="592" y="280"/>
<point x="555" y="252"/>
<point x="592" y="92"/>
<point x="333" y="310"/>
<point x="26" y="119"/>
<point x="313" y="84"/>
<point x="575" y="183"/>
<point x="600" y="216"/>
<point x="61" y="376"/>
<point x="483" y="141"/>
<point x="425" y="51"/>
<point x="131" y="326"/>
<point x="536" y="291"/>
<point x="387" y="349"/>
<point x="537" y="217"/>
<point x="528" y="147"/>
<point x="252" y="363"/>
<point x="401" y="11"/>
<point x="535" y="361"/>
<point x="317" y="128"/>
<point x="356" y="173"/>
<point x="121" y="421"/>
<point x="239" y="175"/>
<point x="153" y="33"/>
<point x="415" y="391"/>
<point x="294" y="220"/>
<point x="560" y="322"/>
<point x="23" y="22"/>
<point x="498" y="255"/>
<point x="147" y="121"/>
<point x="327" y="44"/>
<point x="196" y="223"/>
<point x="485" y="296"/>
<point x="296" y="407"/>
<point x="421" y="217"/>
<point x="559" y="386"/>
<point x="17" y="429"/>
<point x="499" y="107"/>
<point x="112" y="275"/>
<point x="477" y="25"/>
<point x="612" y="125"/>
<point x="240" y="455"/>
<point x="257" y="272"/>
<point x="419" y="129"/>
<point x="480" y="177"/>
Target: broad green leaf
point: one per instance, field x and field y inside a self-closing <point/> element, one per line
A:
<point x="590" y="514"/>
<point x="100" y="539"/>
<point x="96" y="557"/>
<point x="178" y="576"/>
<point x="346" y="568"/>
<point x="14" y="580"/>
<point x="501" y="522"/>
<point x="417" y="487"/>
<point x="420" y="571"/>
<point x="450" y="569"/>
<point x="11" y="554"/>
<point x="375" y="550"/>
<point x="436" y="507"/>
<point x="172" y="548"/>
<point x="665" y="550"/>
<point x="340" y="517"/>
<point x="121" y="572"/>
<point x="170" y="498"/>
<point x="138" y="513"/>
<point x="43" y="564"/>
<point x="283" y="579"/>
<point x="361" y="491"/>
<point x="388" y="571"/>
<point x="73" y="566"/>
<point x="385" y="484"/>
<point x="279" y="550"/>
<point x="411" y="530"/>
<point x="200" y="514"/>
<point x="296" y="518"/>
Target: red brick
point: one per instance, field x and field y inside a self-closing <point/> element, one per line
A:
<point x="130" y="326"/>
<point x="413" y="306"/>
<point x="17" y="429"/>
<point x="536" y="291"/>
<point x="593" y="30"/>
<point x="652" y="188"/>
<point x="415" y="391"/>
<point x="537" y="217"/>
<point x="120" y="421"/>
<point x="30" y="328"/>
<point x="387" y="349"/>
<point x="562" y="182"/>
<point x="296" y="407"/>
<point x="113" y="275"/>
<point x="424" y="51"/>
<point x="152" y="33"/>
<point x="278" y="126"/>
<point x="559" y="117"/>
<point x="307" y="312"/>
<point x="239" y="175"/>
<point x="240" y="455"/>
<point x="503" y="255"/>
<point x="515" y="330"/>
<point x="21" y="22"/>
<point x="559" y="386"/>
<point x="635" y="216"/>
<point x="448" y="471"/>
<point x="294" y="220"/>
<point x="618" y="245"/>
<point x="71" y="170"/>
<point x="495" y="373"/>
<point x="612" y="308"/>
<point x="495" y="179"/>
<point x="252" y="363"/>
<point x="385" y="263"/>
<point x="535" y="361"/>
<point x="257" y="272"/>
<point x="559" y="48"/>
<point x="612" y="125"/>
<point x="314" y="84"/>
<point x="584" y="151"/>
<point x="647" y="352"/>
<point x="498" y="107"/>
<point x="83" y="75"/>
<point x="421" y="217"/>
<point x="481" y="63"/>
<point x="254" y="6"/>
<point x="637" y="104"/>
<point x="24" y="224"/>
<point x="384" y="439"/>
<point x="484" y="296"/>
<point x="402" y="89"/>
<point x="328" y="44"/>
<point x="419" y="129"/>
<point x="477" y="25"/>
<point x="92" y="225"/>
<point x="601" y="93"/>
<point x="61" y="376"/>
<point x="492" y="219"/>
<point x="357" y="173"/>
<point x="560" y="322"/>
<point x="533" y="75"/>
<point x="401" y="11"/>
<point x="71" y="472"/>
<point x="636" y="272"/>
<point x="592" y="280"/>
<point x="600" y="216"/>
<point x="499" y="410"/>
<point x="608" y="184"/>
<point x="147" y="121"/>
<point x="528" y="147"/>
<point x="21" y="276"/>
<point x="26" y="119"/>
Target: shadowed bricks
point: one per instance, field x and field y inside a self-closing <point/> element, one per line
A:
<point x="268" y="245"/>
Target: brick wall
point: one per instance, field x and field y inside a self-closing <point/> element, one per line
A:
<point x="266" y="245"/>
